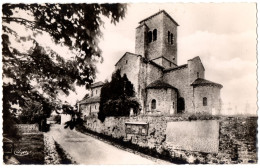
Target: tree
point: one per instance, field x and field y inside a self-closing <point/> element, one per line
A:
<point x="36" y="75"/>
<point x="117" y="97"/>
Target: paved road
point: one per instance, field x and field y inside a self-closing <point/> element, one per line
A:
<point x="88" y="150"/>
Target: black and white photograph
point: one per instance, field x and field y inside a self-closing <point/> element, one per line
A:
<point x="129" y="83"/>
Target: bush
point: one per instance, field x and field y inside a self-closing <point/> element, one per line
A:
<point x="117" y="97"/>
<point x="192" y="117"/>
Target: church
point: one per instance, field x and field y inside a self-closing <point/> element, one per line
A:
<point x="161" y="85"/>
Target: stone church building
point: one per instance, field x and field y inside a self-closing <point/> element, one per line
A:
<point x="161" y="85"/>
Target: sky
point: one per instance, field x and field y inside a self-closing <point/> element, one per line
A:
<point x="222" y="34"/>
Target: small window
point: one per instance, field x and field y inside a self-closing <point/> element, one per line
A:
<point x="150" y="37"/>
<point x="198" y="74"/>
<point x="205" y="101"/>
<point x="126" y="61"/>
<point x="153" y="104"/>
<point x="95" y="107"/>
<point x="154" y="34"/>
<point x="171" y="38"/>
<point x="91" y="92"/>
<point x="96" y="92"/>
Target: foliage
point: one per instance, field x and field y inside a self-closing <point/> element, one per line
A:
<point x="33" y="77"/>
<point x="117" y="97"/>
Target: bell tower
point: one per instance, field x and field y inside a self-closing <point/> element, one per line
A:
<point x="156" y="39"/>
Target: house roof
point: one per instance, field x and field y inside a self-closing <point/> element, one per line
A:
<point x="141" y="25"/>
<point x="176" y="68"/>
<point x="165" y="59"/>
<point x="90" y="100"/>
<point x="125" y="55"/>
<point x="155" y="64"/>
<point x="162" y="11"/>
<point x="158" y="84"/>
<point x="97" y="84"/>
<point x="204" y="82"/>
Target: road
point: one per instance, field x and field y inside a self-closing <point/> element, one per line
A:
<point x="85" y="149"/>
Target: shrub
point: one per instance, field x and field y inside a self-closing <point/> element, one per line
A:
<point x="117" y="97"/>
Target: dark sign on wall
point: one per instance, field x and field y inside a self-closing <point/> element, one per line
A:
<point x="136" y="128"/>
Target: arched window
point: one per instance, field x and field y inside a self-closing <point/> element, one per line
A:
<point x="205" y="101"/>
<point x="154" y="34"/>
<point x="153" y="104"/>
<point x="171" y="38"/>
<point x="150" y="37"/>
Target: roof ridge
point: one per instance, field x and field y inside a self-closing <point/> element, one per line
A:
<point x="125" y="55"/>
<point x="157" y="13"/>
<point x="202" y="81"/>
<point x="160" y="84"/>
<point x="175" y="68"/>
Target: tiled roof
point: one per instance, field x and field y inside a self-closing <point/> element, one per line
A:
<point x="97" y="84"/>
<point x="176" y="68"/>
<point x="159" y="84"/>
<point x="155" y="64"/>
<point x="162" y="11"/>
<point x="90" y="100"/>
<point x="204" y="82"/>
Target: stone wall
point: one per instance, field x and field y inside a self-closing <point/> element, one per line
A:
<point x="169" y="50"/>
<point x="212" y="94"/>
<point x="89" y="109"/>
<point x="153" y="73"/>
<point x="141" y="40"/>
<point x="202" y="136"/>
<point x="154" y="49"/>
<point x="165" y="99"/>
<point x="237" y="137"/>
<point x="179" y="78"/>
<point x="95" y="92"/>
<point x="195" y="66"/>
<point x="129" y="65"/>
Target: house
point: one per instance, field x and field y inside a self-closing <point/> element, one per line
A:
<point x="161" y="85"/>
<point x="90" y="106"/>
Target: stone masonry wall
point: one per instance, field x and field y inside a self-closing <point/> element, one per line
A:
<point x="179" y="79"/>
<point x="129" y="65"/>
<point x="237" y="137"/>
<point x="165" y="98"/>
<point x="212" y="94"/>
<point x="169" y="50"/>
<point x="154" y="49"/>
